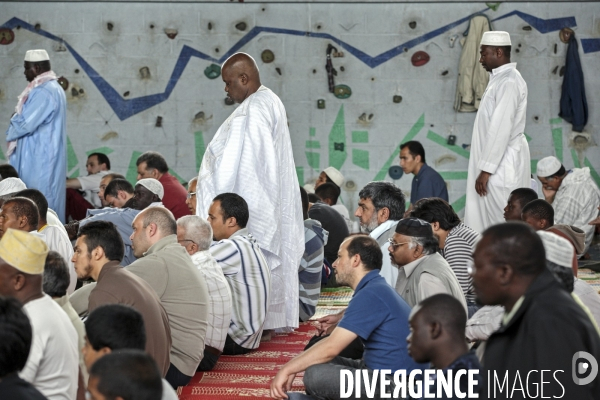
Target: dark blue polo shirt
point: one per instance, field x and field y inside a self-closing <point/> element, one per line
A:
<point x="428" y="183"/>
<point x="379" y="316"/>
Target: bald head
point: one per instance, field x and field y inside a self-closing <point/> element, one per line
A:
<point x="241" y="77"/>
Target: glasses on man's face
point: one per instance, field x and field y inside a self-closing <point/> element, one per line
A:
<point x="190" y="194"/>
<point x="394" y="244"/>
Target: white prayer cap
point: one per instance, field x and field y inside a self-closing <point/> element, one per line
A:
<point x="548" y="166"/>
<point x="495" y="38"/>
<point x="309" y="187"/>
<point x="558" y="249"/>
<point x="152" y="185"/>
<point x="11" y="185"/>
<point x="37" y="55"/>
<point x="335" y="175"/>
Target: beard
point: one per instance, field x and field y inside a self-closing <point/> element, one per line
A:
<point x="371" y="225"/>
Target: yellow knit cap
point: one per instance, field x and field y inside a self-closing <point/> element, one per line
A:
<point x="24" y="251"/>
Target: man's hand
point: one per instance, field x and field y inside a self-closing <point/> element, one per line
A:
<point x="596" y="221"/>
<point x="328" y="323"/>
<point x="481" y="183"/>
<point x="281" y="384"/>
<point x="548" y="194"/>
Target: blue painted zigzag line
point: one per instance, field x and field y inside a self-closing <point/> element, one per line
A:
<point x="590" y="45"/>
<point x="125" y="108"/>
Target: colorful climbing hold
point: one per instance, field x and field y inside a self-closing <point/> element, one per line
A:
<point x="213" y="71"/>
<point x="342" y="91"/>
<point x="7" y="36"/>
<point x="419" y="58"/>
<point x="267" y="56"/>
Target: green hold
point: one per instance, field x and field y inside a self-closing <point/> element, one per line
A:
<point x="213" y="71"/>
<point x="493" y="6"/>
<point x="342" y="91"/>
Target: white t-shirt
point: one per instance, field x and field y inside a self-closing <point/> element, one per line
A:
<point x="90" y="184"/>
<point x="53" y="363"/>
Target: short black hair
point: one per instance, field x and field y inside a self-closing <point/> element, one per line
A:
<point x="328" y="191"/>
<point x="102" y="159"/>
<point x="129" y="374"/>
<point x="524" y="195"/>
<point x="153" y="160"/>
<point x="313" y="198"/>
<point x="56" y="278"/>
<point x="516" y="244"/>
<point x="540" y="209"/>
<point x="15" y="336"/>
<point x="24" y="207"/>
<point x="44" y="65"/>
<point x="434" y="209"/>
<point x="103" y="234"/>
<point x="234" y="205"/>
<point x="563" y="274"/>
<point x="368" y="249"/>
<point x="115" y="326"/>
<point x="447" y="311"/>
<point x="415" y="149"/>
<point x="304" y="198"/>
<point x="115" y="185"/>
<point x="8" y="171"/>
<point x="505" y="50"/>
<point x="38" y="198"/>
<point x="385" y="194"/>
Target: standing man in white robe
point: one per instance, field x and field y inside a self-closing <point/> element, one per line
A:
<point x="251" y="155"/>
<point x="499" y="161"/>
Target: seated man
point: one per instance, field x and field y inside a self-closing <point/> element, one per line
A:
<point x="380" y="206"/>
<point x="422" y="271"/>
<point x="437" y="336"/>
<point x="8" y="171"/>
<point x="106" y="179"/>
<point x="329" y="193"/>
<point x="190" y="201"/>
<point x="182" y="289"/>
<point x="195" y="235"/>
<point x="333" y="176"/>
<point x="127" y="374"/>
<point x="573" y="194"/>
<point x="542" y="327"/>
<point x="53" y="362"/>
<point x="98" y="165"/>
<point x="244" y="267"/>
<point x="114" y="328"/>
<point x="455" y="239"/>
<point x="517" y="199"/>
<point x="427" y="181"/>
<point x="153" y="165"/>
<point x="16" y="337"/>
<point x="311" y="266"/>
<point x="98" y="252"/>
<point x="375" y="314"/>
<point x="118" y="192"/>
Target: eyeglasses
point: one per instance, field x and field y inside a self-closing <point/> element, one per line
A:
<point x="393" y="244"/>
<point x="190" y="194"/>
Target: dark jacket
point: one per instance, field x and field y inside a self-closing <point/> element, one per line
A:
<point x="545" y="333"/>
<point x="573" y="104"/>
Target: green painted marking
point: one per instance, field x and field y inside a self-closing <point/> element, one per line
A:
<point x="558" y="143"/>
<point x="453" y="175"/>
<point x="200" y="148"/>
<point x="434" y="137"/>
<point x="360" y="137"/>
<point x="179" y="178"/>
<point x="103" y="150"/>
<point x="2" y="156"/>
<point x="593" y="172"/>
<point x="313" y="144"/>
<point x="576" y="162"/>
<point x="416" y="128"/>
<point x="534" y="166"/>
<point x="74" y="174"/>
<point x="459" y="204"/>
<point x="360" y="158"/>
<point x="338" y="135"/>
<point x="71" y="156"/>
<point x="132" y="169"/>
<point x="314" y="160"/>
<point x="554" y="121"/>
<point x="312" y="131"/>
<point x="529" y="138"/>
<point x="300" y="173"/>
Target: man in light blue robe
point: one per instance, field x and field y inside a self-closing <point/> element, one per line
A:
<point x="37" y="133"/>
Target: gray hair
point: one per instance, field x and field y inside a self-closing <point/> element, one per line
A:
<point x="429" y="244"/>
<point x="197" y="229"/>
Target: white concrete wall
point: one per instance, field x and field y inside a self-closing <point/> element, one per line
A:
<point x="138" y="39"/>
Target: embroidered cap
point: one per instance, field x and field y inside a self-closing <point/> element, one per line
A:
<point x="414" y="227"/>
<point x="495" y="38"/>
<point x="335" y="175"/>
<point x="23" y="251"/>
<point x="11" y="185"/>
<point x="36" y="55"/>
<point x="152" y="185"/>
<point x="558" y="249"/>
<point x="548" y="166"/>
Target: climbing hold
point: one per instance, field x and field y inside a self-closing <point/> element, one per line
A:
<point x="314" y="71"/>
<point x="466" y="146"/>
<point x="209" y="26"/>
<point x="59" y="47"/>
<point x="395" y="172"/>
<point x="151" y="26"/>
<point x="363" y="117"/>
<point x="241" y="26"/>
<point x="171" y="33"/>
<point x="199" y="116"/>
<point x="63" y="82"/>
<point x="278" y="70"/>
<point x="517" y="51"/>
<point x="397" y="99"/>
<point x="527" y="28"/>
<point x="555" y="70"/>
<point x="338" y="146"/>
<point x="445" y="73"/>
<point x="562" y="71"/>
<point x="158" y="122"/>
<point x="555" y="48"/>
<point x="445" y="159"/>
<point x="519" y="44"/>
<point x="493" y="6"/>
<point x="320" y="104"/>
<point x="267" y="56"/>
<point x="338" y="54"/>
<point x="110" y="26"/>
<point x="342" y="91"/>
<point x="212" y="71"/>
<point x="536" y="118"/>
<point x="145" y="73"/>
<point x="80" y="91"/>
<point x="7" y="36"/>
<point x="412" y="24"/>
<point x="565" y="34"/>
<point x="229" y="101"/>
<point x="419" y="58"/>
<point x="38" y="26"/>
<point x="452" y="40"/>
<point x="109" y="135"/>
<point x="452" y="140"/>
<point x="216" y="49"/>
<point x="126" y="94"/>
<point x="76" y="70"/>
<point x="74" y="92"/>
<point x="342" y="68"/>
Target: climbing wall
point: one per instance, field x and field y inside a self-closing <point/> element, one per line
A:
<point x="141" y="76"/>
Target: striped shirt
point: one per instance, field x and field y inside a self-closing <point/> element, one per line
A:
<point x="219" y="315"/>
<point x="311" y="267"/>
<point x="249" y="278"/>
<point x="458" y="251"/>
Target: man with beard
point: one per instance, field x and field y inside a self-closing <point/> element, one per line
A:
<point x="381" y="205"/>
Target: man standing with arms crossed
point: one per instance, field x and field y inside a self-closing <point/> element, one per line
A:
<point x="499" y="161"/>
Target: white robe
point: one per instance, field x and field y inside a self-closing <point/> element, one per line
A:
<point x="251" y="155"/>
<point x="498" y="147"/>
